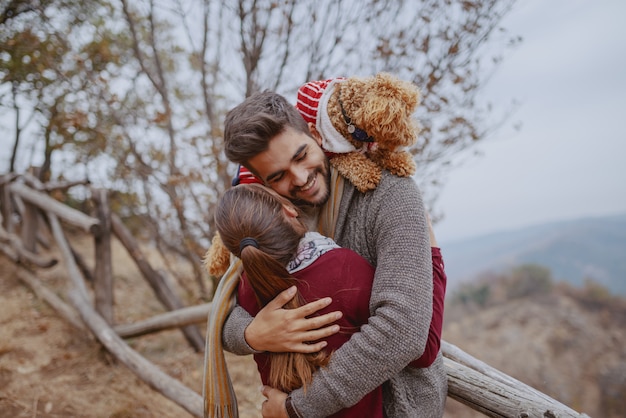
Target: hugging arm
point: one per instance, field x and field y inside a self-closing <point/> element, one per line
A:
<point x="279" y="330"/>
<point x="275" y="407"/>
<point x="388" y="227"/>
<point x="242" y="332"/>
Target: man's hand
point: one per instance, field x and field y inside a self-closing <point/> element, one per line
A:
<point x="281" y="330"/>
<point x="274" y="406"/>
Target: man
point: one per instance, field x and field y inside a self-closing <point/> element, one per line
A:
<point x="387" y="226"/>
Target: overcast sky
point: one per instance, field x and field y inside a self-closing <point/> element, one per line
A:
<point x="569" y="159"/>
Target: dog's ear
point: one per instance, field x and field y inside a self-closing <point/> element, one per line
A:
<point x="217" y="257"/>
<point x="408" y="92"/>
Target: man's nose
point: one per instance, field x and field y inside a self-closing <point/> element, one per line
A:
<point x="299" y="176"/>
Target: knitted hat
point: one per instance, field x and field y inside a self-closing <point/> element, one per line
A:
<point x="309" y="96"/>
<point x="245" y="176"/>
<point x="312" y="103"/>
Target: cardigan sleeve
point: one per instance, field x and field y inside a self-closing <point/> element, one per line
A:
<point x="233" y="332"/>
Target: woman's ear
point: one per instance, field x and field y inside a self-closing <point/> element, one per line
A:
<point x="290" y="211"/>
<point x="315" y="134"/>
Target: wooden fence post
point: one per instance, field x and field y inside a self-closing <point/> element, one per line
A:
<point x="5" y="203"/>
<point x="157" y="281"/>
<point x="30" y="220"/>
<point x="30" y="216"/>
<point x="103" y="275"/>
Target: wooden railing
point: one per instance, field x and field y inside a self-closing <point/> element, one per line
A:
<point x="470" y="381"/>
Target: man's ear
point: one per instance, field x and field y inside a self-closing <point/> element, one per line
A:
<point x="316" y="135"/>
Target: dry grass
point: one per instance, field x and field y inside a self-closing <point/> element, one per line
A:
<point x="50" y="369"/>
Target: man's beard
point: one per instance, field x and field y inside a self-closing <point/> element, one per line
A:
<point x="325" y="172"/>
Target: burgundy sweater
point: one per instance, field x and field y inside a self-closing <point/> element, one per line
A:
<point x="346" y="277"/>
<point x="439" y="293"/>
<point x="353" y="302"/>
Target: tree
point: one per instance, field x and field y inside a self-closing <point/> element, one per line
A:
<point x="135" y="92"/>
<point x="52" y="65"/>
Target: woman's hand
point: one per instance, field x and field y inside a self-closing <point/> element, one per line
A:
<point x="281" y="330"/>
<point x="274" y="406"/>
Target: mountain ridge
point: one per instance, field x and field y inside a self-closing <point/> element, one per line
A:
<point x="574" y="250"/>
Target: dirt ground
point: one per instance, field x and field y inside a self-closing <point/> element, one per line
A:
<point x="50" y="369"/>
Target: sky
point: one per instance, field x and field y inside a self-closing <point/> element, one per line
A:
<point x="568" y="161"/>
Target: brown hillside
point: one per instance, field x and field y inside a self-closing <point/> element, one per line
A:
<point x="49" y="369"/>
<point x="559" y="343"/>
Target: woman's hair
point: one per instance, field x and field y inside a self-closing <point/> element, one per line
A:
<point x="253" y="225"/>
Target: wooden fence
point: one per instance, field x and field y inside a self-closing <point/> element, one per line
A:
<point x="26" y="207"/>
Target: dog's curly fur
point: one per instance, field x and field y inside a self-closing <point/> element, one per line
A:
<point x="383" y="107"/>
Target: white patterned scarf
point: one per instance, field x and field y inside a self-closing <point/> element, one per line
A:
<point x="310" y="248"/>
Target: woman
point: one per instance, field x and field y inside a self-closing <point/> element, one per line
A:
<point x="263" y="229"/>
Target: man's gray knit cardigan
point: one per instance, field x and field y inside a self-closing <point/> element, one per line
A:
<point x="388" y="227"/>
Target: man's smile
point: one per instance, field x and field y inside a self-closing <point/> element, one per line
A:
<point x="309" y="184"/>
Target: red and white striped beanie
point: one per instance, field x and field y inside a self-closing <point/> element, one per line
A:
<point x="245" y="176"/>
<point x="308" y="98"/>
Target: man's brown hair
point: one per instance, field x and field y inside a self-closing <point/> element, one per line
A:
<point x="251" y="125"/>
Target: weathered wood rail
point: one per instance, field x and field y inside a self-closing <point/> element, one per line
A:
<point x="23" y="197"/>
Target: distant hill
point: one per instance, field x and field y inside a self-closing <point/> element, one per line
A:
<point x="568" y="343"/>
<point x="573" y="250"/>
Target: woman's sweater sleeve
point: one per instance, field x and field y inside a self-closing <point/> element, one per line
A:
<point x="433" y="344"/>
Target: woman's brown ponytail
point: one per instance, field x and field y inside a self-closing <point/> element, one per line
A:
<point x="251" y="221"/>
